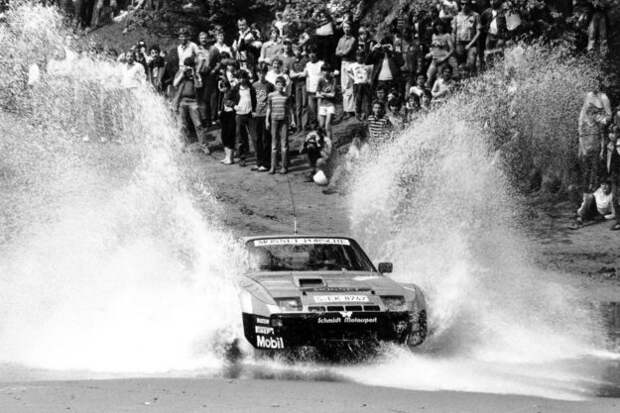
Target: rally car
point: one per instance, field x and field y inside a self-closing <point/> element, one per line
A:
<point x="320" y="291"/>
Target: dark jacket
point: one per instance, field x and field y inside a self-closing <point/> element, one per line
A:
<point x="395" y="62"/>
<point x="236" y="96"/>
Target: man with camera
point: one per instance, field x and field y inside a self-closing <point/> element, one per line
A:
<point x="187" y="83"/>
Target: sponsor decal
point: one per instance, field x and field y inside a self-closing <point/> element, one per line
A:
<point x="360" y="320"/>
<point x="269" y="342"/>
<point x="261" y="320"/>
<point x="301" y="241"/>
<point x="347" y="320"/>
<point x="340" y="298"/>
<point x="263" y="330"/>
<point x="329" y="320"/>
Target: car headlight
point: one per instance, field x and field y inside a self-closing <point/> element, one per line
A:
<point x="289" y="304"/>
<point x="394" y="302"/>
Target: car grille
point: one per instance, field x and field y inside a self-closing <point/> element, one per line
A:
<point x="322" y="309"/>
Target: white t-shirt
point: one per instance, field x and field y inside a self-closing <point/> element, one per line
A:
<point x="189" y="50"/>
<point x="271" y="77"/>
<point x="245" y="102"/>
<point x="385" y="73"/>
<point x="603" y="201"/>
<point x="34" y="74"/>
<point x="314" y="74"/>
<point x="133" y="76"/>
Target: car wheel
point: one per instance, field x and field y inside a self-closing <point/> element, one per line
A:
<point x="417" y="337"/>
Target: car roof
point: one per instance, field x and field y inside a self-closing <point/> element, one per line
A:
<point x="277" y="236"/>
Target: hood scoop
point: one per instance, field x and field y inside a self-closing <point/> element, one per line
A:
<point x="311" y="282"/>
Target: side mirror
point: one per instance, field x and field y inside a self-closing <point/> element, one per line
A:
<point x="385" y="267"/>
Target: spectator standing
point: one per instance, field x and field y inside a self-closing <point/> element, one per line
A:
<point x="347" y="46"/>
<point x="594" y="116"/>
<point x="448" y="9"/>
<point x="441" y="52"/>
<point x="227" y="120"/>
<point x="186" y="48"/>
<point x="312" y="73"/>
<point x="272" y="48"/>
<point x="597" y="29"/>
<point x="298" y="79"/>
<point x="245" y="44"/>
<point x="362" y="91"/>
<point x="394" y="114"/>
<point x="379" y="126"/>
<point x="364" y="42"/>
<point x="262" y="136"/>
<point x="324" y="36"/>
<point x="287" y="55"/>
<point x="494" y="29"/>
<point x="278" y="119"/>
<point x="187" y="82"/>
<point x="207" y="59"/>
<point x="280" y="23"/>
<point x="219" y="42"/>
<point x="157" y="68"/>
<point x="276" y="72"/>
<point x="387" y="64"/>
<point x="326" y="93"/>
<point x="466" y="27"/>
<point x="245" y="104"/>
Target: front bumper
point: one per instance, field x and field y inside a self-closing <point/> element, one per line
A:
<point x="281" y="331"/>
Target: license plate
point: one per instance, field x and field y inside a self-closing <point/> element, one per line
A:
<point x="340" y="298"/>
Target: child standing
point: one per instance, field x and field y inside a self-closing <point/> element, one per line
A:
<point x="361" y="73"/>
<point x="326" y="93"/>
<point x="298" y="79"/>
<point x="262" y="137"/>
<point x="279" y="118"/>
<point x="378" y="124"/>
<point x="312" y="73"/>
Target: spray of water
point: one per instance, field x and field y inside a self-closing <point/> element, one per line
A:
<point x="107" y="264"/>
<point x="437" y="202"/>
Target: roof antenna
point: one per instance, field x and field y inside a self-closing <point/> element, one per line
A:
<point x="290" y="190"/>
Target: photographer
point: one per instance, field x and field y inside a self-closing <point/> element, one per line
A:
<point x="387" y="64"/>
<point x="187" y="82"/>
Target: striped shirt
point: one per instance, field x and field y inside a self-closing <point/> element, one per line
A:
<point x="378" y="128"/>
<point x="278" y="105"/>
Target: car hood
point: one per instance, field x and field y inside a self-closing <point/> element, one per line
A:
<point x="287" y="284"/>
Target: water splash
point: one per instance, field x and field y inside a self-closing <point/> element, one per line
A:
<point x="107" y="264"/>
<point x="438" y="203"/>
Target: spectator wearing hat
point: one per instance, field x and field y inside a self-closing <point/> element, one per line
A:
<point x="387" y="64"/>
<point x="271" y="48"/>
<point x="347" y="46"/>
<point x="466" y="27"/>
<point x="278" y="120"/>
<point x="186" y="48"/>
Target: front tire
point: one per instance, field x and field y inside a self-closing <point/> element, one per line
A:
<point x="418" y="332"/>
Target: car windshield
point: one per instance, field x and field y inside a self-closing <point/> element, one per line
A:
<point x="307" y="254"/>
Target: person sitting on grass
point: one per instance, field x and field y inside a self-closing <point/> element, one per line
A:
<point x="279" y="117"/>
<point x="318" y="148"/>
<point x="443" y="86"/>
<point x="597" y="205"/>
